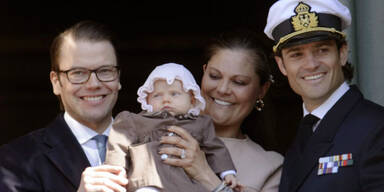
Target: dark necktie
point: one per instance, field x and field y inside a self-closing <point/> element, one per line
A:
<point x="101" y="141"/>
<point x="306" y="130"/>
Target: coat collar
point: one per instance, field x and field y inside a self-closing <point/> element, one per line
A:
<point x="65" y="151"/>
<point x="166" y="114"/>
<point x="299" y="167"/>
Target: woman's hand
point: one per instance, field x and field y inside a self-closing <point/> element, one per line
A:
<point x="192" y="159"/>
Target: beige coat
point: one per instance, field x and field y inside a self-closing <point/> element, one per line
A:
<point x="258" y="170"/>
<point x="134" y="141"/>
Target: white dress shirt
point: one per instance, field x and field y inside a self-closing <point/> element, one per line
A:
<point x="84" y="136"/>
<point x="328" y="104"/>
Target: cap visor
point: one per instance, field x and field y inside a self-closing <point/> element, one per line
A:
<point x="309" y="37"/>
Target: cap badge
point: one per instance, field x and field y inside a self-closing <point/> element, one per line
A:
<point x="304" y="19"/>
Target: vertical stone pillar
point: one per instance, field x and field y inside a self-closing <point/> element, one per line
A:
<point x="368" y="18"/>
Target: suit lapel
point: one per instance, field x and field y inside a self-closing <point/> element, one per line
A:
<point x="65" y="151"/>
<point x="322" y="140"/>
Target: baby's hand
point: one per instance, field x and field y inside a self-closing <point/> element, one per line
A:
<point x="231" y="181"/>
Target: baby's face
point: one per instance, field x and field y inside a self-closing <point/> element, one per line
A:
<point x="171" y="98"/>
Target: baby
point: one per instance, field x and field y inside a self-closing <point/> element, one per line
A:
<point x="170" y="96"/>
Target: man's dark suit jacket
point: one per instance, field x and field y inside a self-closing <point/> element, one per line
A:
<point x="49" y="159"/>
<point x="353" y="125"/>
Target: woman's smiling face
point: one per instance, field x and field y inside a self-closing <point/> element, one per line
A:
<point x="230" y="86"/>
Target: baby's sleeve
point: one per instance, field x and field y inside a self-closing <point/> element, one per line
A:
<point x="120" y="138"/>
<point x="216" y="153"/>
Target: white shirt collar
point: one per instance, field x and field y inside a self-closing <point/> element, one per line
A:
<point x="82" y="132"/>
<point x="328" y="104"/>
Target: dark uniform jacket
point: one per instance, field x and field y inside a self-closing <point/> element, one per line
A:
<point x="353" y="126"/>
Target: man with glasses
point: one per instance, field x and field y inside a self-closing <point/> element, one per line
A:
<point x="85" y="77"/>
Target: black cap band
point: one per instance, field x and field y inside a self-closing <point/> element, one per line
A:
<point x="325" y="20"/>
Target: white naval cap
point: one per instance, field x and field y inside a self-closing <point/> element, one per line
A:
<point x="301" y="21"/>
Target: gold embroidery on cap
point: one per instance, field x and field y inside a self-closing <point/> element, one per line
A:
<point x="304" y="19"/>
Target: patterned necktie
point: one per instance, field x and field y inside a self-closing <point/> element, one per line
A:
<point x="101" y="141"/>
<point x="306" y="130"/>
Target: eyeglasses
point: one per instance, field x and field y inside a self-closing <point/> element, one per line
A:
<point x="81" y="75"/>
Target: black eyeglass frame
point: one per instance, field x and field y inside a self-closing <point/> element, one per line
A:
<point x="90" y="71"/>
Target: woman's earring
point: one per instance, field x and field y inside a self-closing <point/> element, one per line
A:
<point x="259" y="104"/>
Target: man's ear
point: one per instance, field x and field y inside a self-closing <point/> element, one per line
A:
<point x="56" y="84"/>
<point x="119" y="86"/>
<point x="344" y="54"/>
<point x="280" y="64"/>
<point x="204" y="67"/>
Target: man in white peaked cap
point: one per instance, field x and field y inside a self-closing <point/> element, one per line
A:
<point x="340" y="141"/>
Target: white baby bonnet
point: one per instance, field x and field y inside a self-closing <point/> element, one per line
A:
<point x="170" y="72"/>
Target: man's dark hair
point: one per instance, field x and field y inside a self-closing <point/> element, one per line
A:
<point x="347" y="68"/>
<point x="84" y="30"/>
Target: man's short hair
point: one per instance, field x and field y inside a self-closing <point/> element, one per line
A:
<point x="84" y="30"/>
